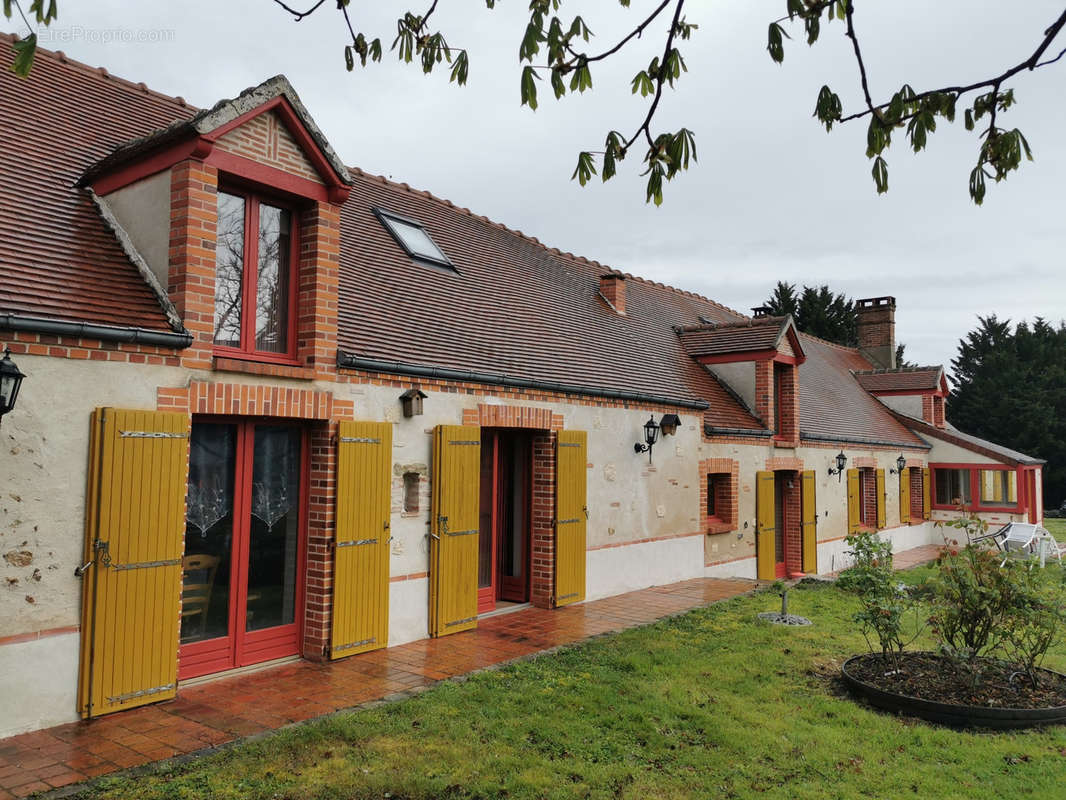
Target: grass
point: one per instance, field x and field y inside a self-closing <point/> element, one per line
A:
<point x="710" y="704"/>
<point x="1056" y="527"/>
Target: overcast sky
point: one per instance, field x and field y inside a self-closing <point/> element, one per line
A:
<point x="773" y="197"/>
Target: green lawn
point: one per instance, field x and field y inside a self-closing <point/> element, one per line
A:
<point x="1056" y="527"/>
<point x="710" y="704"/>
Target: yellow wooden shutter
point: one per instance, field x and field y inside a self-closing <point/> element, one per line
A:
<point x="361" y="540"/>
<point x="854" y="501"/>
<point x="571" y="516"/>
<point x="1012" y="487"/>
<point x="453" y="548"/>
<point x="138" y="475"/>
<point x="927" y="493"/>
<point x="765" y="526"/>
<point x="810" y="523"/>
<point x="882" y="515"/>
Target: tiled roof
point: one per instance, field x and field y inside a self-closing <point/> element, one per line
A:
<point x="903" y="379"/>
<point x="834" y="405"/>
<point x="513" y="307"/>
<point x="950" y="433"/>
<point x="751" y="335"/>
<point x="58" y="258"/>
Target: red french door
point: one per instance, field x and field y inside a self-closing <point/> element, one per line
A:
<point x="504" y="540"/>
<point x="242" y="572"/>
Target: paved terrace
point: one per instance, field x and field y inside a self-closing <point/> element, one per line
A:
<point x="209" y="714"/>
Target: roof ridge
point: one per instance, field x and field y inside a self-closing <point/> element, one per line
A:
<point x="847" y="347"/>
<point x="63" y="58"/>
<point x="555" y="251"/>
<point x="899" y="370"/>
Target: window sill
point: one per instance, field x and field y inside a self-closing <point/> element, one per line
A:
<point x="271" y="368"/>
<point x="717" y="526"/>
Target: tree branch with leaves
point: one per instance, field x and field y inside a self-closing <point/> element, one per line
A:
<point x="555" y="47"/>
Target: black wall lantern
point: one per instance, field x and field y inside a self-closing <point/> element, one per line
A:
<point x="651" y="434"/>
<point x="412" y="402"/>
<point x="901" y="464"/>
<point x="842" y="461"/>
<point x="10" y="383"/>
<point x="669" y="424"/>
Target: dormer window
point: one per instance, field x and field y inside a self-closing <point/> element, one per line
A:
<point x="413" y="238"/>
<point x="254" y="277"/>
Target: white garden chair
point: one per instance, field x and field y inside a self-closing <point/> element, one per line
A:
<point x="1026" y="539"/>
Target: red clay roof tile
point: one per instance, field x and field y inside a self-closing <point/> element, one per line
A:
<point x="58" y="259"/>
<point x="903" y="379"/>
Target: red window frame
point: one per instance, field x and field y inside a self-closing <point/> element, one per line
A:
<point x="975" y="503"/>
<point x="247" y="352"/>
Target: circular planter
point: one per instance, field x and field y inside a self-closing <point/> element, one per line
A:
<point x="958" y="716"/>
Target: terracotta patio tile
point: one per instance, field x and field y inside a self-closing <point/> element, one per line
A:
<point x="30" y="788"/>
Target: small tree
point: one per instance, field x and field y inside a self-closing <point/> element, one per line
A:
<point x="885" y="602"/>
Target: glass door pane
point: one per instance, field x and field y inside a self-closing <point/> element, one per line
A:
<point x="206" y="590"/>
<point x="275" y="527"/>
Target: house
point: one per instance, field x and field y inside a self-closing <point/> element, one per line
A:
<point x="278" y="408"/>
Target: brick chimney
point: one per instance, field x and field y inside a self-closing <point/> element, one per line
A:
<point x="876" y="323"/>
<point x="613" y="290"/>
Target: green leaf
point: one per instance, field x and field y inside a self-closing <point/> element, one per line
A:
<point x="828" y="108"/>
<point x="25" y="50"/>
<point x="460" y="68"/>
<point x="880" y="175"/>
<point x="977" y="185"/>
<point x="558" y="85"/>
<point x="968" y="119"/>
<point x="775" y="44"/>
<point x="529" y="87"/>
<point x="655" y="184"/>
<point x="585" y="169"/>
<point x="349" y="59"/>
<point x="581" y="79"/>
<point x="642" y="83"/>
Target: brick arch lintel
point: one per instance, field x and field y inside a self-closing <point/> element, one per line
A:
<point x="492" y="415"/>
<point x="250" y="400"/>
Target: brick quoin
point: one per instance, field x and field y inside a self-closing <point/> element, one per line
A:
<point x="542" y="578"/>
<point x="317" y="289"/>
<point x="793" y="525"/>
<point x="917" y="498"/>
<point x="191" y="255"/>
<point x="764" y="392"/>
<point x="868" y="489"/>
<point x="791" y="495"/>
<point x="318" y="592"/>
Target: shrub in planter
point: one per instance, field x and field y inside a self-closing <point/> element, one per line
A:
<point x="886" y="603"/>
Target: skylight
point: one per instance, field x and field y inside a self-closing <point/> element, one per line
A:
<point x="413" y="238"/>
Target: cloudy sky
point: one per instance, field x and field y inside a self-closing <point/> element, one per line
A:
<point x="773" y="196"/>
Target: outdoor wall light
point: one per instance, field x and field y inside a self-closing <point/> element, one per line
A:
<point x="901" y="464"/>
<point x="412" y="402"/>
<point x="651" y="434"/>
<point x="669" y="424"/>
<point x="842" y="461"/>
<point x="10" y="383"/>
